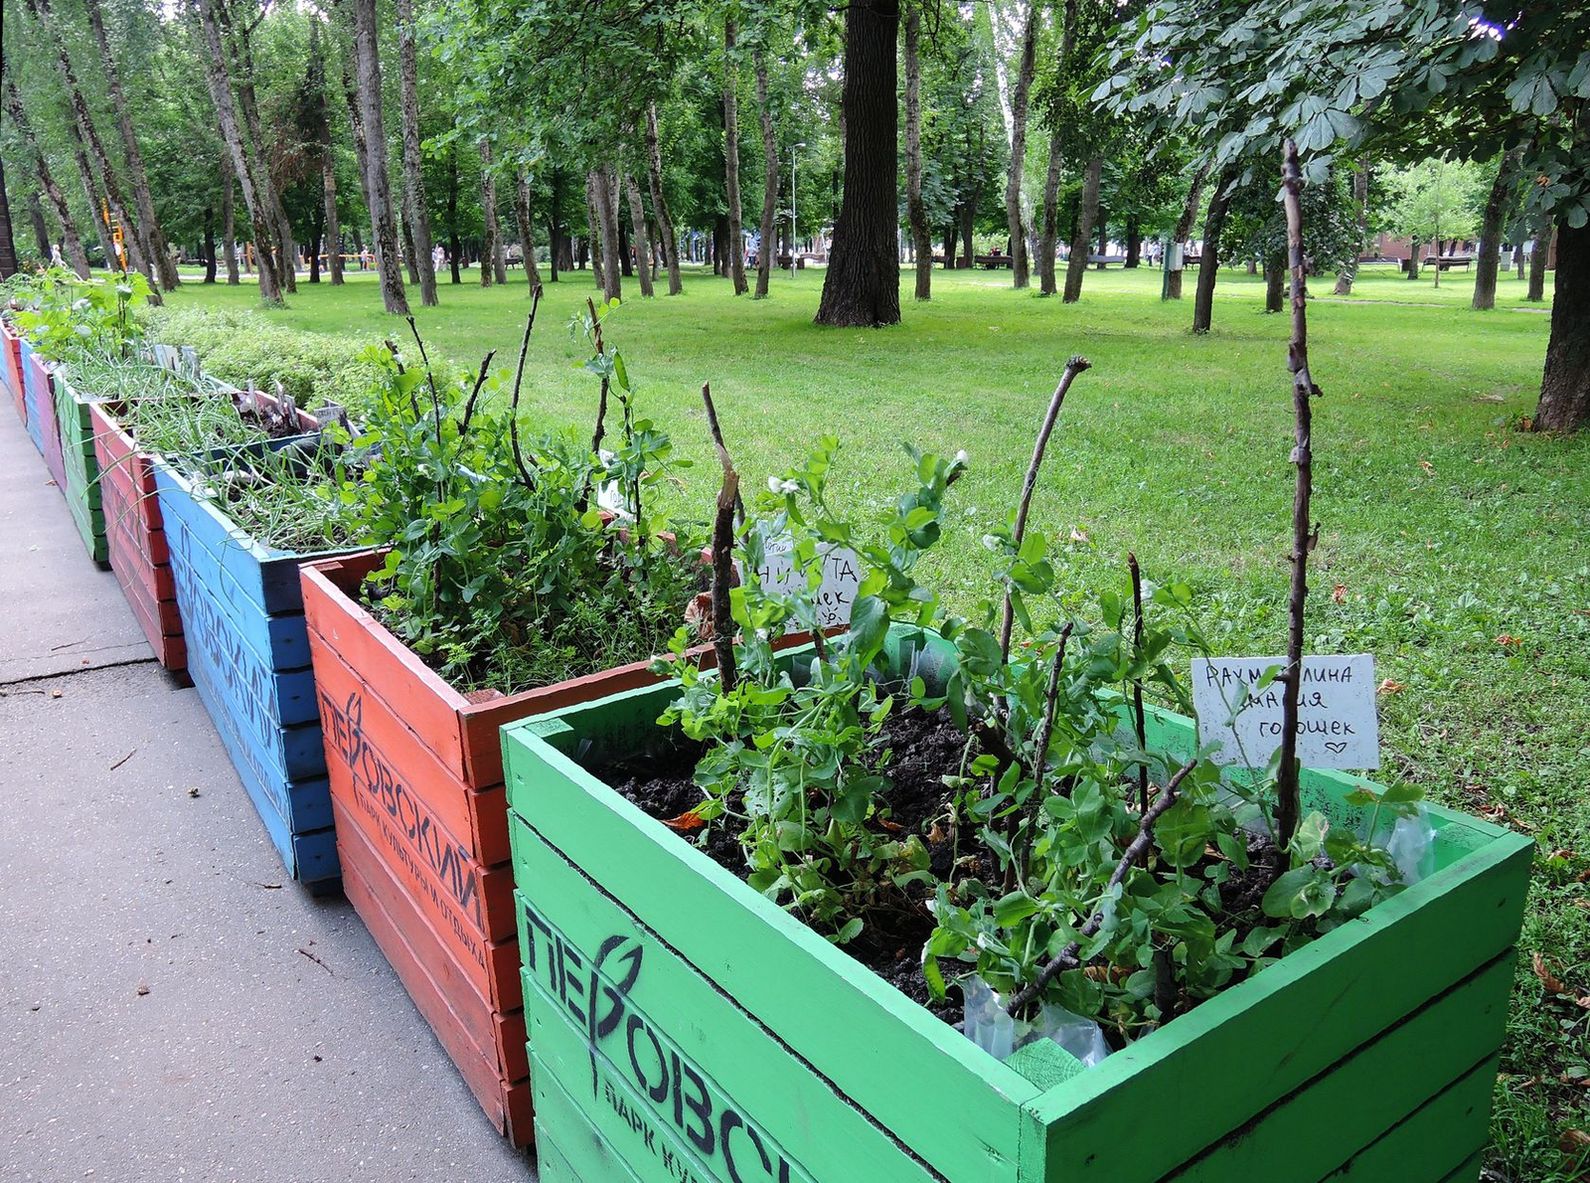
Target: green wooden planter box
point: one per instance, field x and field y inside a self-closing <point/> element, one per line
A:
<point x="681" y="1026"/>
<point x="76" y="423"/>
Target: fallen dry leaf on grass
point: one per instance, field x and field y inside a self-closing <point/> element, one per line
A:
<point x="686" y="822"/>
<point x="1508" y="641"/>
<point x="1339" y="593"/>
<point x="1555" y="985"/>
<point x="1391" y="687"/>
<point x="1428" y="467"/>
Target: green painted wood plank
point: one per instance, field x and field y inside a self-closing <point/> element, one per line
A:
<point x="930" y="1086"/>
<point x="1305" y="1013"/>
<point x="569" y="1149"/>
<point x="775" y="1098"/>
<point x="1422" y="1148"/>
<point x="1469" y="1171"/>
<point x="1374" y="1088"/>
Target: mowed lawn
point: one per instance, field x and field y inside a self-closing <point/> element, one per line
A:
<point x="1453" y="547"/>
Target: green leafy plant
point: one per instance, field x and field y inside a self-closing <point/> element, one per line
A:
<point x="502" y="573"/>
<point x="65" y="317"/>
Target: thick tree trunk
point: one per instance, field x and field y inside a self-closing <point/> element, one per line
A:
<point x="1275" y="274"/>
<point x="1082" y="242"/>
<point x="134" y="237"/>
<point x="41" y="229"/>
<point x="214" y="61"/>
<point x="1413" y="258"/>
<point x="333" y="233"/>
<point x="8" y="242"/>
<point x="96" y="210"/>
<point x="659" y="204"/>
<point x="137" y="176"/>
<point x="1134" y="244"/>
<point x="613" y="253"/>
<point x="642" y="241"/>
<point x="276" y="228"/>
<point x="71" y="242"/>
<point x="491" y="235"/>
<point x="416" y="213"/>
<point x="1487" y="266"/>
<point x="455" y="248"/>
<point x="1541" y="256"/>
<point x="558" y="252"/>
<point x="1565" y="386"/>
<point x="968" y="226"/>
<point x="1214" y="226"/>
<point x="1049" y="235"/>
<point x="1019" y="99"/>
<point x="1518" y="258"/>
<point x="604" y="235"/>
<point x="768" y="230"/>
<point x="406" y="233"/>
<point x="626" y="265"/>
<point x="916" y="209"/>
<point x="527" y="242"/>
<point x="228" y="223"/>
<point x="951" y="234"/>
<point x="1171" y="289"/>
<point x="731" y="156"/>
<point x="862" y="286"/>
<point x="1349" y="273"/>
<point x="367" y="65"/>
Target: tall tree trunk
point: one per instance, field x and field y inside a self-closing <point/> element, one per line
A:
<point x="1171" y="289"/>
<point x="1275" y="274"/>
<point x="626" y="267"/>
<point x="1349" y="273"/>
<point x="214" y="61"/>
<point x="160" y="251"/>
<point x="228" y="223"/>
<point x="951" y="233"/>
<point x="862" y="286"/>
<point x="72" y="243"/>
<point x="368" y="67"/>
<point x="41" y="229"/>
<point x="1565" y="385"/>
<point x="557" y="241"/>
<point x="1214" y="226"/>
<point x="1019" y="99"/>
<point x="1544" y="230"/>
<point x="333" y="233"/>
<point x="915" y="208"/>
<point x="594" y="187"/>
<point x="209" y="244"/>
<point x="637" y="218"/>
<point x="96" y="209"/>
<point x="455" y="248"/>
<point x="766" y="256"/>
<point x="417" y="215"/>
<point x="1134" y="243"/>
<point x="136" y="241"/>
<point x="1487" y="266"/>
<point x="527" y="242"/>
<point x="8" y="243"/>
<point x="1518" y="258"/>
<point x="659" y="204"/>
<point x="1049" y="235"/>
<point x="491" y="242"/>
<point x="1082" y="242"/>
<point x="406" y="234"/>
<point x="277" y="228"/>
<point x="613" y="253"/>
<point x="968" y="223"/>
<point x="731" y="156"/>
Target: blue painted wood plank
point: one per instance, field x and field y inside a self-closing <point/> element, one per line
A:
<point x="30" y="396"/>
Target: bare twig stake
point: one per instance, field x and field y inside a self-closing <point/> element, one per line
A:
<point x="430" y="380"/>
<point x="1074" y="367"/>
<point x="1134" y="854"/>
<point x="1051" y="697"/>
<point x="1137" y="683"/>
<point x="601" y="405"/>
<point x="723" y="554"/>
<point x="717" y="440"/>
<point x="1288" y="807"/>
<point x="474" y="394"/>
<point x="518" y="380"/>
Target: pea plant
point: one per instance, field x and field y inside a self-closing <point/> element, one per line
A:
<point x="500" y="571"/>
<point x="65" y="317"/>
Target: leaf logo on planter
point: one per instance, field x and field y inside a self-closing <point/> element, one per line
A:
<point x="380" y="791"/>
<point x="677" y="1113"/>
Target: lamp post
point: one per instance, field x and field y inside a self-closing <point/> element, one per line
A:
<point x="794" y="231"/>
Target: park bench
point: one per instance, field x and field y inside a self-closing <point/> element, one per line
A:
<point x="990" y="262"/>
<point x="1447" y="262"/>
<point x="1106" y="260"/>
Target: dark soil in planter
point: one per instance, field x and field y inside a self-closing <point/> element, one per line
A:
<point x="926" y="748"/>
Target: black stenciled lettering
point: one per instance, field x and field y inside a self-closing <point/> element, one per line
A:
<point x="638" y="1025"/>
<point x="704" y="1138"/>
<point x="727" y="1124"/>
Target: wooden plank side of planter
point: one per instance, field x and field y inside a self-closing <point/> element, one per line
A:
<point x="932" y="1088"/>
<point x="82" y="468"/>
<point x="446" y="996"/>
<point x="506" y="1105"/>
<point x="449" y="891"/>
<point x="1423" y="1147"/>
<point x="1373" y="1089"/>
<point x="39" y="382"/>
<point x="371" y="749"/>
<point x="430" y="707"/>
<point x="1307" y="1011"/>
<point x="11" y="344"/>
<point x="164" y="635"/>
<point x="30" y="396"/>
<point x="666" y="1064"/>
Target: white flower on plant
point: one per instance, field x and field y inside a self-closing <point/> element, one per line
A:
<point x="775" y="485"/>
<point x="991" y="542"/>
<point x="961" y="457"/>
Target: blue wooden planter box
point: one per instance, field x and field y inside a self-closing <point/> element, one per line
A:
<point x="248" y="655"/>
<point x="32" y="392"/>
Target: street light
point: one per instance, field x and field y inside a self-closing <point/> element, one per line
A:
<point x="794" y="231"/>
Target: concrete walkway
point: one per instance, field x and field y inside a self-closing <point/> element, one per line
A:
<point x="170" y="1006"/>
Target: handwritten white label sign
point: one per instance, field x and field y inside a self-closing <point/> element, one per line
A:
<point x="1337" y="726"/>
<point x="841" y="578"/>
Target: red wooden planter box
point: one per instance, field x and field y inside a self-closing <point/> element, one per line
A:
<point x="422" y="826"/>
<point x="11" y="367"/>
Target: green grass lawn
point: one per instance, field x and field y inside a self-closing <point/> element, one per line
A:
<point x="1453" y="547"/>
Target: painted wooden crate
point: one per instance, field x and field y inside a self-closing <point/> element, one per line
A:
<point x="38" y="383"/>
<point x="683" y="1026"/>
<point x="248" y="655"/>
<point x="416" y="778"/>
<point x="81" y="464"/>
<point x="11" y="367"/>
